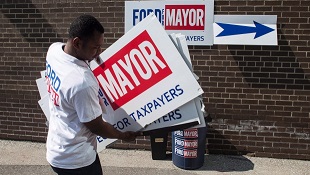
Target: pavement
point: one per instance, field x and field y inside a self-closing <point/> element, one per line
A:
<point x="28" y="158"/>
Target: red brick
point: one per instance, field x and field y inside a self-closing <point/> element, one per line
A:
<point x="241" y="83"/>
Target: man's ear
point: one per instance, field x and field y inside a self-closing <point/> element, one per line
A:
<point x="76" y="42"/>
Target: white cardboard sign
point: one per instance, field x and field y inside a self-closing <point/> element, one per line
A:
<point x="182" y="115"/>
<point x="189" y="112"/>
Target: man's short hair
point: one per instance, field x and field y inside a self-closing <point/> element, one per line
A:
<point x="84" y="27"/>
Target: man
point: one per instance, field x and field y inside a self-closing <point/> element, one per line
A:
<point x="75" y="113"/>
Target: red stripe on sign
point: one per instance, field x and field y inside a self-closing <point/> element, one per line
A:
<point x="191" y="143"/>
<point x="191" y="133"/>
<point x="190" y="153"/>
<point x="184" y="17"/>
<point x="132" y="70"/>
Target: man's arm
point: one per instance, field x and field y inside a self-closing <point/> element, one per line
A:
<point x="104" y="129"/>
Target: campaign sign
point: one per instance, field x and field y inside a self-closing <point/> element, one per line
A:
<point x="194" y="19"/>
<point x="143" y="77"/>
<point x="186" y="143"/>
<point x="186" y="113"/>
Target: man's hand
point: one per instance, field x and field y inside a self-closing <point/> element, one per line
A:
<point x="129" y="136"/>
<point x="104" y="129"/>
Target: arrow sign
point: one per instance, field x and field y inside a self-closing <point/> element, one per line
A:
<point x="232" y="29"/>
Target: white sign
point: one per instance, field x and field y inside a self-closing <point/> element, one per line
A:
<point x="188" y="113"/>
<point x="41" y="84"/>
<point x="194" y="19"/>
<point x="143" y="77"/>
<point x="44" y="105"/>
<point x="245" y="29"/>
<point x="44" y="101"/>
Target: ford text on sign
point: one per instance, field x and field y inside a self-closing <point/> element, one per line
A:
<point x="132" y="70"/>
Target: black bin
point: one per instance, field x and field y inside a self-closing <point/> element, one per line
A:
<point x="188" y="148"/>
<point x="159" y="145"/>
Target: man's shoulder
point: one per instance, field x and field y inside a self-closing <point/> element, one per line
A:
<point x="56" y="45"/>
<point x="81" y="78"/>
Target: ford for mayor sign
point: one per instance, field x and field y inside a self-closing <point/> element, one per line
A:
<point x="194" y="19"/>
<point x="143" y="77"/>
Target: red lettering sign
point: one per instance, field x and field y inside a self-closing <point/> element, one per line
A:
<point x="132" y="70"/>
<point x="190" y="153"/>
<point x="184" y="17"/>
<point x="191" y="133"/>
<point x="190" y="143"/>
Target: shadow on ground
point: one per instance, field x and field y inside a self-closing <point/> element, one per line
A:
<point x="226" y="163"/>
<point x="223" y="163"/>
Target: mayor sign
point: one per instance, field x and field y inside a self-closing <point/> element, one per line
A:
<point x="194" y="19"/>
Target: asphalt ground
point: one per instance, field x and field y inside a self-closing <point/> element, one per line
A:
<point x="28" y="158"/>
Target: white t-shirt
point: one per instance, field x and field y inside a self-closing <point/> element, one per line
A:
<point x="73" y="92"/>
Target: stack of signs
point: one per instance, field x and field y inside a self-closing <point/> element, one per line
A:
<point x="189" y="114"/>
<point x="145" y="84"/>
<point x="44" y="101"/>
<point x="144" y="79"/>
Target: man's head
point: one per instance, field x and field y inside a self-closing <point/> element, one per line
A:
<point x="85" y="37"/>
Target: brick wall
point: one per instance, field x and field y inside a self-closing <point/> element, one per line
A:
<point x="258" y="96"/>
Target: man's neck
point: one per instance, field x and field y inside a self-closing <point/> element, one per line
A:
<point x="68" y="49"/>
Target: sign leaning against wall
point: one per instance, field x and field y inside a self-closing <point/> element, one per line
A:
<point x="194" y="19"/>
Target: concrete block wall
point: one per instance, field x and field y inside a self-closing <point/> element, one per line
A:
<point x="258" y="96"/>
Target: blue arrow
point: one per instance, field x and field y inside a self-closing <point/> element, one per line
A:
<point x="232" y="29"/>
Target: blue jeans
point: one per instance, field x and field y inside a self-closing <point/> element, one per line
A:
<point x="93" y="169"/>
